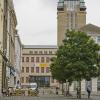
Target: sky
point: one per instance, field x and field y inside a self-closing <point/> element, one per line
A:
<point x="37" y="20"/>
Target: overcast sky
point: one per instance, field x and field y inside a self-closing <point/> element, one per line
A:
<point x="37" y="20"/>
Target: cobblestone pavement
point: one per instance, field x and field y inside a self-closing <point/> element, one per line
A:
<point x="48" y="97"/>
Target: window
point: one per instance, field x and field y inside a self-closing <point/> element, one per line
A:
<point x="37" y="69"/>
<point x="45" y="52"/>
<point x="22" y="69"/>
<point x="47" y="69"/>
<point x="40" y="52"/>
<point x="22" y="79"/>
<point x="42" y="59"/>
<point x="42" y="69"/>
<point x="22" y="59"/>
<point x="47" y="59"/>
<point x="27" y="59"/>
<point x="31" y="52"/>
<point x="27" y="79"/>
<point x="37" y="59"/>
<point x="32" y="59"/>
<point x="98" y="39"/>
<point x="50" y="52"/>
<point x="32" y="69"/>
<point x="27" y="69"/>
<point x="35" y="52"/>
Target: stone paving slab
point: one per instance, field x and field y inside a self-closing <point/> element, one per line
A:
<point x="49" y="97"/>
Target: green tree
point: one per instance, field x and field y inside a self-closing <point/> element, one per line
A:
<point x="58" y="72"/>
<point x="78" y="56"/>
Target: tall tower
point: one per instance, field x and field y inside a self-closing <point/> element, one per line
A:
<point x="71" y="14"/>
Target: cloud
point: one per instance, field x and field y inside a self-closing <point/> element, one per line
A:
<point x="37" y="19"/>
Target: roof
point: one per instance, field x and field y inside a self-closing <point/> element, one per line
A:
<point x="40" y="46"/>
<point x="91" y="28"/>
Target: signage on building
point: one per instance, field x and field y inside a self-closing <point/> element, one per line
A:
<point x="43" y="65"/>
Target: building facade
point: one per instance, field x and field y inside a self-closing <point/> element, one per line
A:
<point x="36" y="65"/>
<point x="71" y="14"/>
<point x="11" y="32"/>
<point x="1" y="42"/>
<point x="18" y="61"/>
<point x="94" y="32"/>
<point x="8" y="24"/>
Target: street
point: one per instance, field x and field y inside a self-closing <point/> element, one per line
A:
<point x="48" y="97"/>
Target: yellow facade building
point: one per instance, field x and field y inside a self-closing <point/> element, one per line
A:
<point x="71" y="14"/>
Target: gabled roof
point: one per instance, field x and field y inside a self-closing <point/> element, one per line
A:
<point x="91" y="28"/>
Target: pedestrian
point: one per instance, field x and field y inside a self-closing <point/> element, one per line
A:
<point x="7" y="93"/>
<point x="77" y="89"/>
<point x="89" y="91"/>
<point x="56" y="90"/>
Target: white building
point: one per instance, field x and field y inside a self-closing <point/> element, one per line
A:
<point x="94" y="32"/>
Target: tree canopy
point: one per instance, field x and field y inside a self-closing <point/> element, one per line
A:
<point x="77" y="58"/>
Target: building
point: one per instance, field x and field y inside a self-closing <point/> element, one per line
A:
<point x="8" y="24"/>
<point x="71" y="14"/>
<point x="36" y="65"/>
<point x="18" y="60"/>
<point x="94" y="32"/>
<point x="11" y="32"/>
<point x="1" y="41"/>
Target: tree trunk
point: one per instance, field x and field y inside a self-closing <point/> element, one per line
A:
<point x="67" y="88"/>
<point x="62" y="89"/>
<point x="79" y="89"/>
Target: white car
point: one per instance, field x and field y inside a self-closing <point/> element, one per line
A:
<point x="33" y="86"/>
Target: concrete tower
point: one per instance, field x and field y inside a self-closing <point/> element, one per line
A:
<point x="71" y="14"/>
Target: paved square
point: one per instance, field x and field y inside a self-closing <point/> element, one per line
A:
<point x="48" y="97"/>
